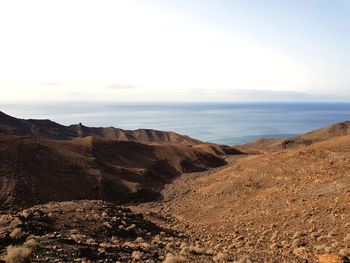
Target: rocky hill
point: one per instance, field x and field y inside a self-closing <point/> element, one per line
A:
<point x="38" y="171"/>
<point x="269" y="144"/>
<point x="46" y="129"/>
<point x="285" y="206"/>
<point x="86" y="231"/>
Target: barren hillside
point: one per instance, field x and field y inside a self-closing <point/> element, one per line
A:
<point x="46" y="129"/>
<point x="38" y="171"/>
<point x="286" y="206"/>
<point x="270" y="144"/>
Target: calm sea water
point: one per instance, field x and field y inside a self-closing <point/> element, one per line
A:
<point x="221" y="123"/>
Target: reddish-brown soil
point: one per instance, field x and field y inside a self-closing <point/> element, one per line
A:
<point x="285" y="206"/>
<point x="38" y="171"/>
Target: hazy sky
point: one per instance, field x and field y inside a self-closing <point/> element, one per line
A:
<point x="180" y="50"/>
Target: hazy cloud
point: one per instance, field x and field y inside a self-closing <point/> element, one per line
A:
<point x="261" y="95"/>
<point x="120" y="87"/>
<point x="50" y="84"/>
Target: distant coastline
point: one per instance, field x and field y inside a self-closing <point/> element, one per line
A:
<point x="227" y="123"/>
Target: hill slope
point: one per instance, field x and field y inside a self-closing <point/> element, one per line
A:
<point x="286" y="206"/>
<point x="38" y="171"/>
<point x="323" y="134"/>
<point x="46" y="129"/>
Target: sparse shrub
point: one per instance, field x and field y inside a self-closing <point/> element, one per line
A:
<point x="16" y="254"/>
<point x="170" y="258"/>
<point x="195" y="250"/>
<point x="244" y="259"/>
<point x="335" y="244"/>
<point x="333" y="232"/>
<point x="296" y="243"/>
<point x="322" y="238"/>
<point x="265" y="232"/>
<point x="284" y="243"/>
<point x="185" y="250"/>
<point x="275" y="246"/>
<point x="139" y="240"/>
<point x="145" y="246"/>
<point x="91" y="242"/>
<point x="16" y="233"/>
<point x="136" y="255"/>
<point x="319" y="248"/>
<point x="297" y="234"/>
<point x="31" y="243"/>
<point x="314" y="235"/>
<point x="169" y="246"/>
<point x="274" y="236"/>
<point x="344" y="252"/>
<point x="3" y="218"/>
<point x="250" y="243"/>
<point x="131" y="227"/>
<point x="240" y="238"/>
<point x="347" y="238"/>
<point x="328" y="249"/>
<point x="15" y="222"/>
<point x="210" y="252"/>
<point x="217" y="246"/>
<point x="221" y="257"/>
<point x="320" y="231"/>
<point x="107" y="225"/>
<point x="301" y="251"/>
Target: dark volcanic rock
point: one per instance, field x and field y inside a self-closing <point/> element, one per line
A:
<point x="91" y="230"/>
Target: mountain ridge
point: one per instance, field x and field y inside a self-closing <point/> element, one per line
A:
<point x="263" y="145"/>
<point x="47" y="129"/>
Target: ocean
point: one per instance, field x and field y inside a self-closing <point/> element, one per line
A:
<point x="226" y="123"/>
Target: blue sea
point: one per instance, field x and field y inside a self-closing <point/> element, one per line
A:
<point x="229" y="124"/>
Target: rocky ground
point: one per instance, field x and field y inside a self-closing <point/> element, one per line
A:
<point x="89" y="231"/>
<point x="285" y="206"/>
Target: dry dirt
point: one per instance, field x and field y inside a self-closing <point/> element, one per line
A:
<point x="285" y="206"/>
<point x="36" y="171"/>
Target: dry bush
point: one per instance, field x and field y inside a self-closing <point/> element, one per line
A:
<point x="322" y="238"/>
<point x="170" y="258"/>
<point x="195" y="250"/>
<point x="136" y="255"/>
<point x="16" y="254"/>
<point x="244" y="259"/>
<point x="301" y="251"/>
<point x="4" y="219"/>
<point x="220" y="257"/>
<point x="297" y="234"/>
<point x="328" y="249"/>
<point x="275" y="246"/>
<point x="16" y="233"/>
<point x="347" y="238"/>
<point x="15" y="222"/>
<point x="344" y="252"/>
<point x="296" y="243"/>
<point x="31" y="243"/>
<point x="319" y="248"/>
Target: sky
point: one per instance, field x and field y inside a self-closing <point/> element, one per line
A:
<point x="183" y="50"/>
